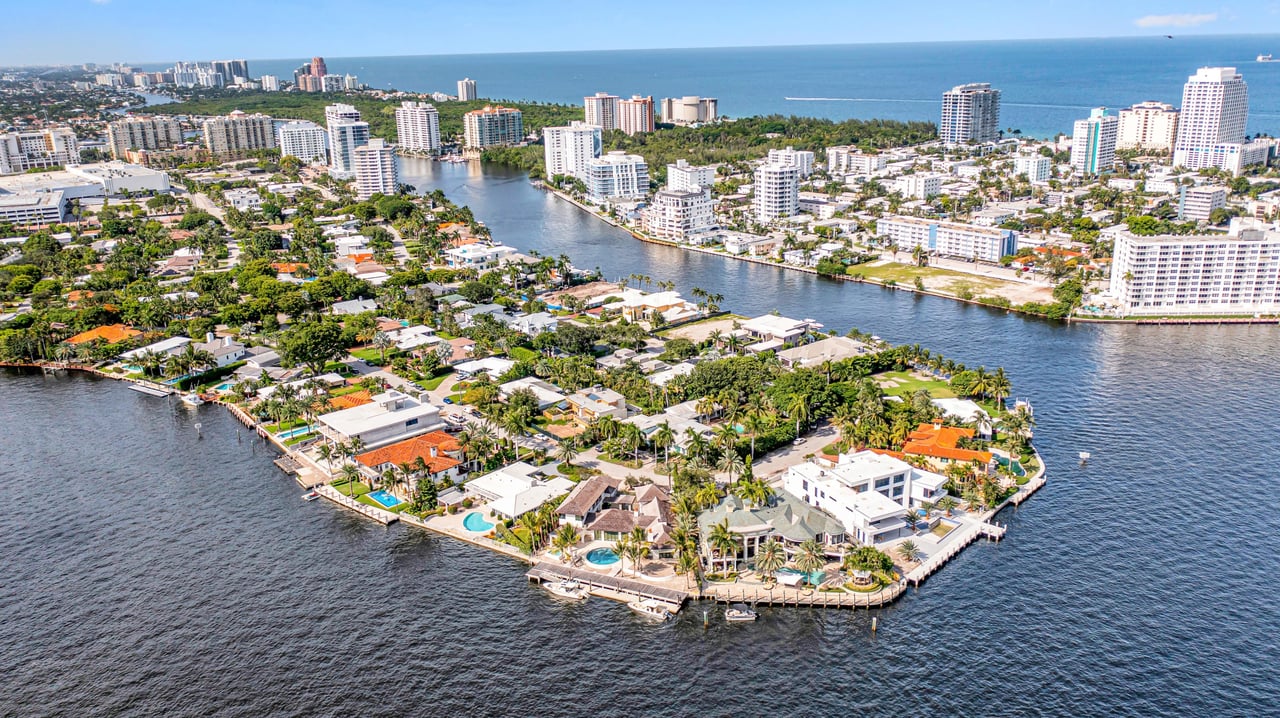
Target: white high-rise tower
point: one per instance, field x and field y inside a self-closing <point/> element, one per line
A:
<point x="602" y="110"/>
<point x="346" y="133"/>
<point x="466" y="90"/>
<point x="970" y="113"/>
<point x="1215" y="108"/>
<point x="568" y="149"/>
<point x="418" y="127"/>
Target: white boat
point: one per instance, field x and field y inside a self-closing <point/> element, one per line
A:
<point x="1084" y="455"/>
<point x="192" y="399"/>
<point x="650" y="608"/>
<point x="567" y="588"/>
<point x="740" y="612"/>
<point x="149" y="391"/>
<point x="310" y="496"/>
<point x="1265" y="58"/>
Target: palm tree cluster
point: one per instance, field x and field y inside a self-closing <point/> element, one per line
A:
<point x="634" y="547"/>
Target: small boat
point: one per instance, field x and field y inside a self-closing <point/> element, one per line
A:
<point x="192" y="399"/>
<point x="1084" y="456"/>
<point x="1265" y="58"/>
<point x="650" y="608"/>
<point x="310" y="496"/>
<point x="740" y="612"/>
<point x="567" y="588"/>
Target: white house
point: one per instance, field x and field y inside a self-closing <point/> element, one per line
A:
<point x="224" y="351"/>
<point x="515" y="490"/>
<point x="477" y="256"/>
<point x="391" y="417"/>
<point x="774" y="332"/>
<point x="169" y="346"/>
<point x="493" y="366"/>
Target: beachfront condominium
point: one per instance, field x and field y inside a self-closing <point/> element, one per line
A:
<point x="270" y="83"/>
<point x="684" y="177"/>
<point x="1211" y="128"/>
<point x="1093" y="142"/>
<point x="143" y="133"/>
<point x="800" y="159"/>
<point x="970" y="113"/>
<point x="305" y="140"/>
<point x="492" y="127"/>
<point x="777" y="192"/>
<point x="238" y="133"/>
<point x="617" y="175"/>
<point x="1180" y="275"/>
<point x="850" y="160"/>
<point x="636" y="114"/>
<point x="232" y="71"/>
<point x="679" y="214"/>
<point x="568" y="149"/>
<point x="38" y="149"/>
<point x="466" y="90"/>
<point x="1149" y="126"/>
<point x="947" y="239"/>
<point x="1199" y="203"/>
<point x="346" y="132"/>
<point x="1037" y="168"/>
<point x="375" y="166"/>
<point x="689" y="110"/>
<point x="602" y="110"/>
<point x="418" y="127"/>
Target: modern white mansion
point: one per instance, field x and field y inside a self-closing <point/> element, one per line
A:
<point x="617" y="175"/>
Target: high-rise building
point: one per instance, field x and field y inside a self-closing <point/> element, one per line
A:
<point x="777" y="192"/>
<point x="1211" y="129"/>
<point x="1148" y="126"/>
<point x="270" y="83"/>
<point x="492" y="127"/>
<point x="143" y="133"/>
<point x="970" y="113"/>
<point x="849" y="159"/>
<point x="350" y="82"/>
<point x="567" y="149"/>
<point x="318" y="68"/>
<point x="635" y="115"/>
<point x="617" y="175"/>
<point x="678" y="214"/>
<point x="23" y="151"/>
<point x="466" y="89"/>
<point x="375" y="166"/>
<point x="302" y="139"/>
<point x="800" y="159"/>
<point x="231" y="69"/>
<point x="602" y="110"/>
<point x="332" y="83"/>
<point x="346" y="133"/>
<point x="1198" y="203"/>
<point x="1037" y="168"/>
<point x="418" y="127"/>
<point x="238" y="133"/>
<point x="684" y="177"/>
<point x="1093" y="142"/>
<point x="689" y="110"/>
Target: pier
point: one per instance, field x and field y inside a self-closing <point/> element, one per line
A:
<point x="813" y="598"/>
<point x="614" y="587"/>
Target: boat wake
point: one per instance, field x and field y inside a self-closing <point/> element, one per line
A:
<point x="928" y="102"/>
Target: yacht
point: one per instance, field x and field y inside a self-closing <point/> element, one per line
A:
<point x="567" y="588"/>
<point x="650" y="608"/>
<point x="192" y="399"/>
<point x="740" y="612"/>
<point x="1265" y="58"/>
<point x="310" y="496"/>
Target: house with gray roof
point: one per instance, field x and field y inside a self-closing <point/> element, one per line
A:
<point x="787" y="519"/>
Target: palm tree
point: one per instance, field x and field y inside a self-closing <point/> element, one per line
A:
<point x="382" y="341"/>
<point x="798" y="409"/>
<point x="731" y="464"/>
<point x="637" y="548"/>
<point x="755" y="423"/>
<point x="662" y="440"/>
<point x="810" y="558"/>
<point x="326" y="453"/>
<point x="770" y="557"/>
<point x="705" y="407"/>
<point x="567" y="451"/>
<point x="1000" y="386"/>
<point x="351" y="475"/>
<point x="947" y="504"/>
<point x="723" y="541"/>
<point x="911" y="517"/>
<point x="565" y="539"/>
<point x="909" y="552"/>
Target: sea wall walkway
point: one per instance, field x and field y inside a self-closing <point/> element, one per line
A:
<point x="784" y="596"/>
<point x="381" y="516"/>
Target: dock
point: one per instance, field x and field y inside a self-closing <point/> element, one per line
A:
<point x="965" y="535"/>
<point x="149" y="390"/>
<point x="614" y="587"/>
<point x="783" y="596"/>
<point x="381" y="516"/>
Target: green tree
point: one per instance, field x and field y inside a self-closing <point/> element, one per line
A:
<point x="313" y="344"/>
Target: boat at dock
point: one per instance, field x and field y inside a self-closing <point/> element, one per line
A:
<point x="739" y="613"/>
<point x="192" y="399"/>
<point x="650" y="608"/>
<point x="568" y="588"/>
<point x="310" y="496"/>
<point x="149" y="391"/>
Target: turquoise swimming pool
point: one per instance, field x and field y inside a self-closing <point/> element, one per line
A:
<point x="813" y="578"/>
<point x="299" y="431"/>
<point x="385" y="498"/>
<point x="474" y="521"/>
<point x="1015" y="466"/>
<point x="602" y="557"/>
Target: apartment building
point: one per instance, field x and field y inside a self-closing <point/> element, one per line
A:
<point x="948" y="239"/>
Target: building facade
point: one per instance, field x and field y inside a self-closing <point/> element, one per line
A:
<point x="1093" y="143"/>
<point x="602" y="110"/>
<point x="684" y="177"/>
<point x="636" y="114"/>
<point x="970" y="113"/>
<point x="1148" y="126"/>
<point x="802" y="160"/>
<point x="922" y="185"/>
<point x="418" y="127"/>
<point x="305" y="140"/>
<point x="346" y="132"/>
<point x="948" y="239"/>
<point x="1198" y="203"/>
<point x="689" y="110"/>
<point x="23" y="151"/>
<point x="568" y="149"/>
<point x="777" y="192"/>
<point x="849" y="159"/>
<point x="376" y="171"/>
<point x="493" y="127"/>
<point x="1211" y="128"/>
<point x="1037" y="168"/>
<point x="1190" y="275"/>
<point x="466" y="89"/>
<point x="679" y="214"/>
<point x="143" y="133"/>
<point x="238" y="133"/>
<point x="617" y="175"/>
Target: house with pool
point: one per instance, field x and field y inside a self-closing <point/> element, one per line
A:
<point x="436" y="454"/>
<point x="786" y="518"/>
<point x="515" y="490"/>
<point x="391" y="416"/>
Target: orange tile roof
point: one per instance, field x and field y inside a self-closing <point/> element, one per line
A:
<point x="288" y="267"/>
<point x="350" y="401"/>
<point x="361" y="257"/>
<point x="940" y="442"/>
<point x="110" y="333"/>
<point x="76" y="295"/>
<point x="433" y="448"/>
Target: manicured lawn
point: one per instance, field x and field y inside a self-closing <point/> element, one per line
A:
<point x="356" y="489"/>
<point x="344" y="390"/>
<point x="364" y="499"/>
<point x="434" y="382"/>
<point x="905" y="274"/>
<point x="942" y="528"/>
<point x="369" y="354"/>
<point x="299" y="438"/>
<point x="286" y="425"/>
<point x="629" y="463"/>
<point x="522" y="354"/>
<point x="908" y="384"/>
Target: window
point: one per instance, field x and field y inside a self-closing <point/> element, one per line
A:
<point x="411" y="422"/>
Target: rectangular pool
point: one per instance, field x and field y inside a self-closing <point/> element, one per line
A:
<point x="385" y="498"/>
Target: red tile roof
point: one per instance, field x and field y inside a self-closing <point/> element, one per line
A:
<point x="433" y="448"/>
<point x="940" y="442"/>
<point x="110" y="334"/>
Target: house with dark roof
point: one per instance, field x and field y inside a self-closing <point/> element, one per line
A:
<point x="786" y="518"/>
<point x="587" y="499"/>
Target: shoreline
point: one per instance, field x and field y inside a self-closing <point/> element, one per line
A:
<point x="716" y="592"/>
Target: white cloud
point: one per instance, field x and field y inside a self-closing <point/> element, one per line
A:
<point x="1179" y="20"/>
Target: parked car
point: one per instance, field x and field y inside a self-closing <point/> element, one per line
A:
<point x="798" y="441"/>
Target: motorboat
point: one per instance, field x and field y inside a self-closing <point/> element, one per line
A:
<point x="310" y="496"/>
<point x="740" y="612"/>
<point x="192" y="399"/>
<point x="650" y="608"/>
<point x="566" y="588"/>
<point x="1265" y="58"/>
<point x="1085" y="456"/>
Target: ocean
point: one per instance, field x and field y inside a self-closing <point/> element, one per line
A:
<point x="1046" y="84"/>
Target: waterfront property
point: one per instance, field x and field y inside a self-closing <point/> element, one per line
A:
<point x="391" y="416"/>
<point x="785" y="518"/>
<point x="435" y="454"/>
<point x="587" y="499"/>
<point x="517" y="489"/>
<point x="940" y="445"/>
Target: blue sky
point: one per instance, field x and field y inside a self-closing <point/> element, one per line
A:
<point x="160" y="30"/>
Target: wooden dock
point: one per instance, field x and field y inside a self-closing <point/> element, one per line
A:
<point x="620" y="588"/>
<point x="783" y="596"/>
<point x="965" y="535"/>
<point x="379" y="515"/>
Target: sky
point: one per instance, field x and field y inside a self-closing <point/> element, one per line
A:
<point x="139" y="31"/>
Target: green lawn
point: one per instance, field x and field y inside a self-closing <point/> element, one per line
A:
<point x="629" y="463"/>
<point x="364" y="499"/>
<point x="299" y="438"/>
<point x="522" y="354"/>
<point x="286" y="425"/>
<point x="905" y="274"/>
<point x="344" y="390"/>
<point x="369" y="354"/>
<point x="347" y="489"/>
<point x="907" y="384"/>
<point x="434" y="382"/>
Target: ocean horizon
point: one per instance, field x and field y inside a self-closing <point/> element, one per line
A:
<point x="1046" y="84"/>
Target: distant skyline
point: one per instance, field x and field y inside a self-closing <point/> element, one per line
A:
<point x="148" y="31"/>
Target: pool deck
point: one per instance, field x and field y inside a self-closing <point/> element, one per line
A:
<point x="380" y="515"/>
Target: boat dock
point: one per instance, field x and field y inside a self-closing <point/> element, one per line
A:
<point x="614" y="587"/>
<point x="783" y="596"/>
<point x="381" y="516"/>
<point x="149" y="390"/>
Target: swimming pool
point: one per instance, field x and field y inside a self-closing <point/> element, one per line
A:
<point x="384" y="497"/>
<point x="225" y="386"/>
<point x="602" y="556"/>
<point x="474" y="521"/>
<point x="299" y="431"/>
<point x="813" y="578"/>
<point x="1015" y="465"/>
